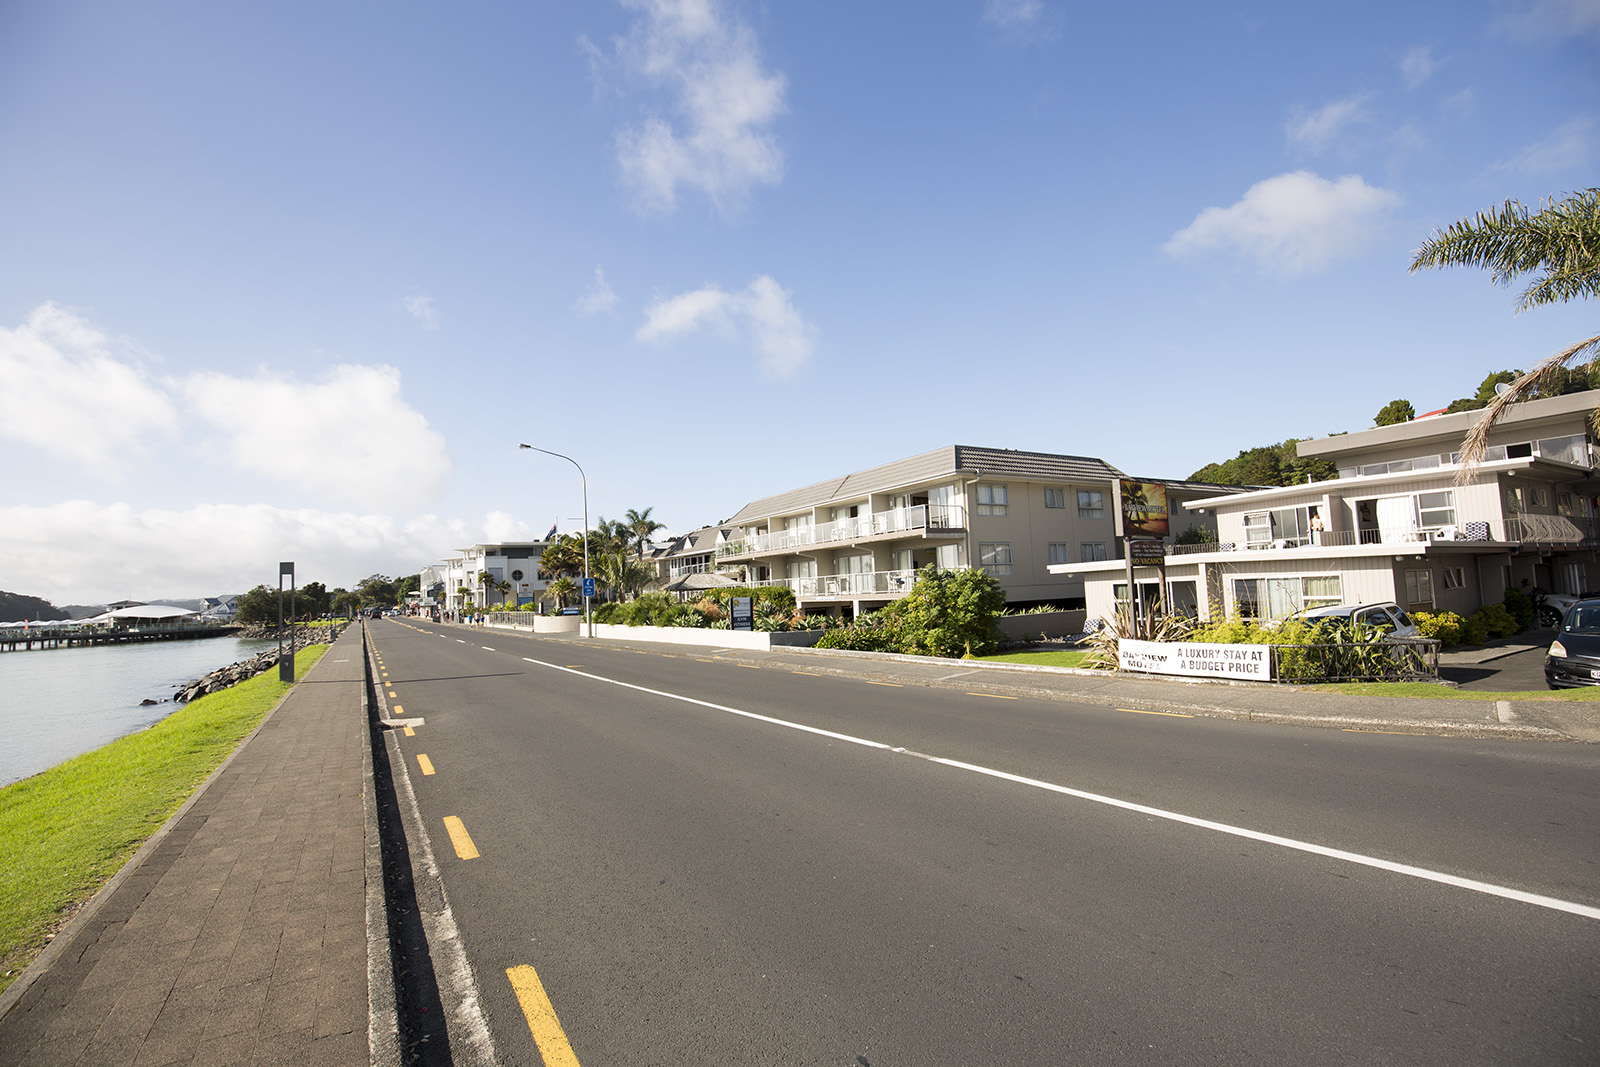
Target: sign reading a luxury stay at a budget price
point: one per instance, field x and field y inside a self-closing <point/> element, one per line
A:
<point x="1196" y="659"/>
<point x="1144" y="509"/>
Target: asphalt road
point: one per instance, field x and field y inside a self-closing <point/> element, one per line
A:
<point x="850" y="881"/>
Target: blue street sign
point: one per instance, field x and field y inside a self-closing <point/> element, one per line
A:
<point x="588" y="588"/>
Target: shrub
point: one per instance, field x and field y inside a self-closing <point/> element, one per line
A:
<point x="948" y="613"/>
<point x="780" y="596"/>
<point x="1474" y="631"/>
<point x="1497" y="621"/>
<point x="1520" y="607"/>
<point x="1445" y="626"/>
<point x="878" y="631"/>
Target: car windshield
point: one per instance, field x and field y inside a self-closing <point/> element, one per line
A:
<point x="1584" y="619"/>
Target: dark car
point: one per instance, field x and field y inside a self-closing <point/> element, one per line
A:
<point x="1574" y="657"/>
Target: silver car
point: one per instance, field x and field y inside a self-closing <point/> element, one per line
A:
<point x="1384" y="615"/>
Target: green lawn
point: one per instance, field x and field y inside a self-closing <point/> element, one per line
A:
<point x="1431" y="691"/>
<point x="1066" y="657"/>
<point x="65" y="832"/>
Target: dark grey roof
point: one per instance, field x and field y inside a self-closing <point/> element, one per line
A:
<point x="966" y="460"/>
<point x="695" y="542"/>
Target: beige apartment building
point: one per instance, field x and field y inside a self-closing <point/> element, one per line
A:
<point x="854" y="543"/>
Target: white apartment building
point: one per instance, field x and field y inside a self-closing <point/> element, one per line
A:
<point x="516" y="562"/>
<point x="856" y="542"/>
<point x="1402" y="521"/>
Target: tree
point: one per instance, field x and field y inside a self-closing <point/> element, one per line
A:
<point x="1559" y="246"/>
<point x="259" y="607"/>
<point x="1395" y="412"/>
<point x="346" y="602"/>
<point x="312" y="599"/>
<point x="562" y="557"/>
<point x="561" y="589"/>
<point x="1279" y="464"/>
<point x="641" y="526"/>
<point x="376" y="590"/>
<point x="948" y="613"/>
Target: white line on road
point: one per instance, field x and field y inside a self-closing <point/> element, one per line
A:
<point x="486" y="648"/>
<point x="1406" y="869"/>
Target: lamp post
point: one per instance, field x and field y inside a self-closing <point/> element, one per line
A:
<point x="588" y="617"/>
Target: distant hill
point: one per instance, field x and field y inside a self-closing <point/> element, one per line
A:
<point x="15" y="607"/>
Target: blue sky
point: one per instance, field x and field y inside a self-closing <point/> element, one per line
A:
<point x="293" y="281"/>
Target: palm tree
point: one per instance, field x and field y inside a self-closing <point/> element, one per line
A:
<point x="1560" y="244"/>
<point x="562" y="557"/>
<point x="641" y="526"/>
<point x="561" y="589"/>
<point x="502" y="587"/>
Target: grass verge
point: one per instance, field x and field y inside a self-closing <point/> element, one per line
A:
<point x="1432" y="691"/>
<point x="1067" y="657"/>
<point x="66" y="831"/>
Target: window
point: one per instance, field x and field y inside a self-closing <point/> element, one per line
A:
<point x="1055" y="498"/>
<point x="1275" y="598"/>
<point x="948" y="557"/>
<point x="1058" y="553"/>
<point x="1258" y="529"/>
<point x="995" y="559"/>
<point x="1540" y="498"/>
<point x="1453" y="577"/>
<point x="1092" y="552"/>
<point x="1436" y="509"/>
<point x="1419" y="589"/>
<point x="992" y="500"/>
<point x="1091" y="504"/>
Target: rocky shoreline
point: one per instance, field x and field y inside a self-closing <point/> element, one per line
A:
<point x="244" y="670"/>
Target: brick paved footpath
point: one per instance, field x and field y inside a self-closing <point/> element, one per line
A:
<point x="240" y="938"/>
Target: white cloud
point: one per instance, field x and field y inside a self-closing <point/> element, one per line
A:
<point x="1418" y="65"/>
<point x="1570" y="147"/>
<point x="63" y="389"/>
<point x="722" y="97"/>
<point x="1293" y="223"/>
<point x="64" y="392"/>
<point x="1551" y="20"/>
<point x="349" y="437"/>
<point x="215" y="548"/>
<point x="1012" y="14"/>
<point x="420" y="307"/>
<point x="762" y="315"/>
<point x="598" y="297"/>
<point x="1314" y="131"/>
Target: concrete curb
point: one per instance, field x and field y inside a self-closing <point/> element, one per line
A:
<point x="383" y="1016"/>
<point x="48" y="955"/>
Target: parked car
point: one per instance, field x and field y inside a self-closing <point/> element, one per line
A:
<point x="1574" y="657"/>
<point x="1384" y="615"/>
<point x="1552" y="606"/>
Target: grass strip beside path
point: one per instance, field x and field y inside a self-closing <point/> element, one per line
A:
<point x="1066" y="657"/>
<point x="66" y="831"/>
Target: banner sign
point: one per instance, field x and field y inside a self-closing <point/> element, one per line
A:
<point x="1196" y="660"/>
<point x="1147" y="553"/>
<point x="1144" y="509"/>
<point x="743" y="613"/>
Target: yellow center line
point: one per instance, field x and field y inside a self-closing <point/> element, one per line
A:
<point x="460" y="839"/>
<point x="425" y="763"/>
<point x="1170" y="714"/>
<point x="668" y="655"/>
<point x="574" y="666"/>
<point x="813" y="674"/>
<point x="749" y="666"/>
<point x="897" y="685"/>
<point x="991" y="696"/>
<point x="541" y="1016"/>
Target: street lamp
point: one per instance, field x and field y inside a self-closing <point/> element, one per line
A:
<point x="588" y="616"/>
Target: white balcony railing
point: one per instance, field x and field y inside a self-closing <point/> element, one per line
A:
<point x="1521" y="529"/>
<point x="865" y="583"/>
<point x="877" y="524"/>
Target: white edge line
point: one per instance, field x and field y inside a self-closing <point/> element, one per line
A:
<point x="1406" y="869"/>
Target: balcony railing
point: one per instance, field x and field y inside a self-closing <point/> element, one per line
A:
<point x="865" y="583"/>
<point x="877" y="524"/>
<point x="1521" y="529"/>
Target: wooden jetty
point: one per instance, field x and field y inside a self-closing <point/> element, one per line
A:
<point x="21" y="639"/>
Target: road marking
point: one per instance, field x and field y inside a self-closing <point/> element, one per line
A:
<point x="460" y="838"/>
<point x="812" y="674"/>
<point x="397" y="710"/>
<point x="1402" y="733"/>
<point x="668" y="655"/>
<point x="748" y="666"/>
<point x="541" y="1016"/>
<point x="459" y="641"/>
<point x="410" y="732"/>
<point x="1357" y="858"/>
<point x="392" y="694"/>
<point x="424" y="762"/>
<point x="991" y="696"/>
<point x="486" y="648"/>
<point x="1140" y="711"/>
<point x="869" y="681"/>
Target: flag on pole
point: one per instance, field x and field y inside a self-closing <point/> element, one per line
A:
<point x="551" y="535"/>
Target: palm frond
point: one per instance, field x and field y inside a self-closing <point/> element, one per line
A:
<point x="1562" y="240"/>
<point x="1477" y="439"/>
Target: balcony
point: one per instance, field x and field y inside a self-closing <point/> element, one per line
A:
<point x="923" y="518"/>
<point x="881" y="584"/>
<point x="1552" y="530"/>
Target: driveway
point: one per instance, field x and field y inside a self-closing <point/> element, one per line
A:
<point x="1507" y="666"/>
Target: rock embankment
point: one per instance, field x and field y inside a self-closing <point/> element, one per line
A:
<point x="304" y="630"/>
<point x="232" y="674"/>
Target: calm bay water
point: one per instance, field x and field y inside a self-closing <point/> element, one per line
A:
<point x="59" y="703"/>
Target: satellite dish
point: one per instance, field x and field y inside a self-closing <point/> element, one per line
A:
<point x="1502" y="388"/>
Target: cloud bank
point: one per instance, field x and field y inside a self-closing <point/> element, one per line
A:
<point x="65" y="385"/>
<point x="762" y="315"/>
<point x="1294" y="223"/>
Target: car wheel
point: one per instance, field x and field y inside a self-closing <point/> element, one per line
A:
<point x="1549" y="618"/>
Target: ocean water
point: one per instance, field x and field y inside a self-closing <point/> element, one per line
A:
<point x="59" y="703"/>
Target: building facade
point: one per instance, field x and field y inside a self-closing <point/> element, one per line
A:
<point x="1403" y="521"/>
<point x="457" y="580"/>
